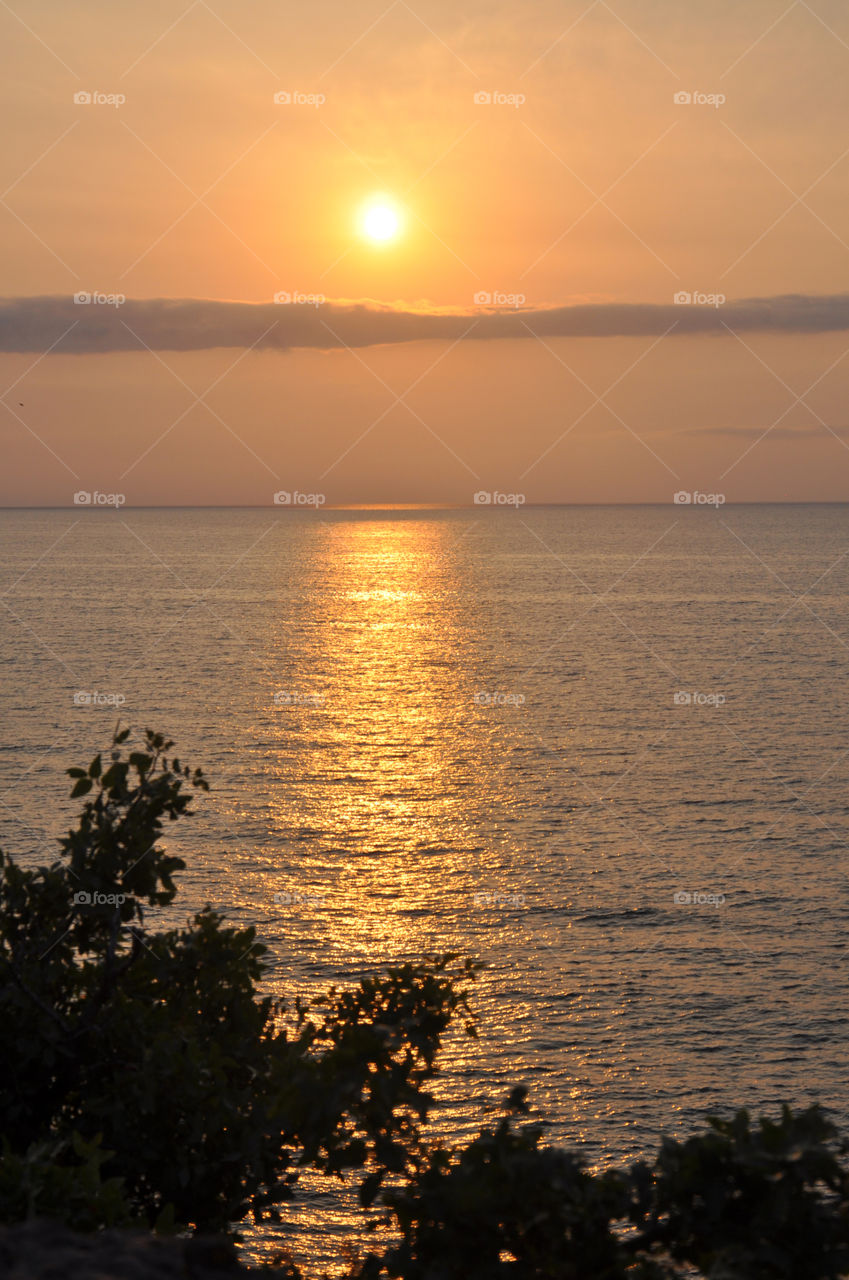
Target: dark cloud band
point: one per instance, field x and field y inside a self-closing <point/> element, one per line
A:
<point x="105" y="323"/>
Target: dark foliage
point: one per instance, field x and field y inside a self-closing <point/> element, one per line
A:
<point x="147" y="1081"/>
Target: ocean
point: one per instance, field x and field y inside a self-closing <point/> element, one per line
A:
<point x="601" y="749"/>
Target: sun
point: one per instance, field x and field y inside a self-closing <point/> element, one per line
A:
<point x="380" y="220"/>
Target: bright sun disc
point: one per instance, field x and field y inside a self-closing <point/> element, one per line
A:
<point x="381" y="222"/>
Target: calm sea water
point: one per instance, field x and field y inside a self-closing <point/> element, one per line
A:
<point x="518" y="734"/>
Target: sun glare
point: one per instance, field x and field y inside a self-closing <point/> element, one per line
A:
<point x="380" y="221"/>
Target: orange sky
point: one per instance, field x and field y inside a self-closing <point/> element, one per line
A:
<point x="581" y="180"/>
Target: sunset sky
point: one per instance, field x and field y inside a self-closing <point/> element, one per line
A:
<point x="517" y="330"/>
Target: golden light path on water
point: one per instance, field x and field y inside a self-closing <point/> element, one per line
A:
<point x="385" y="767"/>
<point x="369" y="760"/>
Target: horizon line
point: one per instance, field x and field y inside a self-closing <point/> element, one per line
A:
<point x="416" y="506"/>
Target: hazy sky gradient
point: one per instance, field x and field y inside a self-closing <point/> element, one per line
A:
<point x="598" y="191"/>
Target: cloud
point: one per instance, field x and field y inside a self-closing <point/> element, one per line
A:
<point x="198" y="324"/>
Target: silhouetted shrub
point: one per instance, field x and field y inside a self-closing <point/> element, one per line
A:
<point x="147" y="1081"/>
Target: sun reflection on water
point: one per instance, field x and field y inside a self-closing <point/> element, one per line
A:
<point x="372" y="794"/>
<point x="379" y="755"/>
<point x="396" y="804"/>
